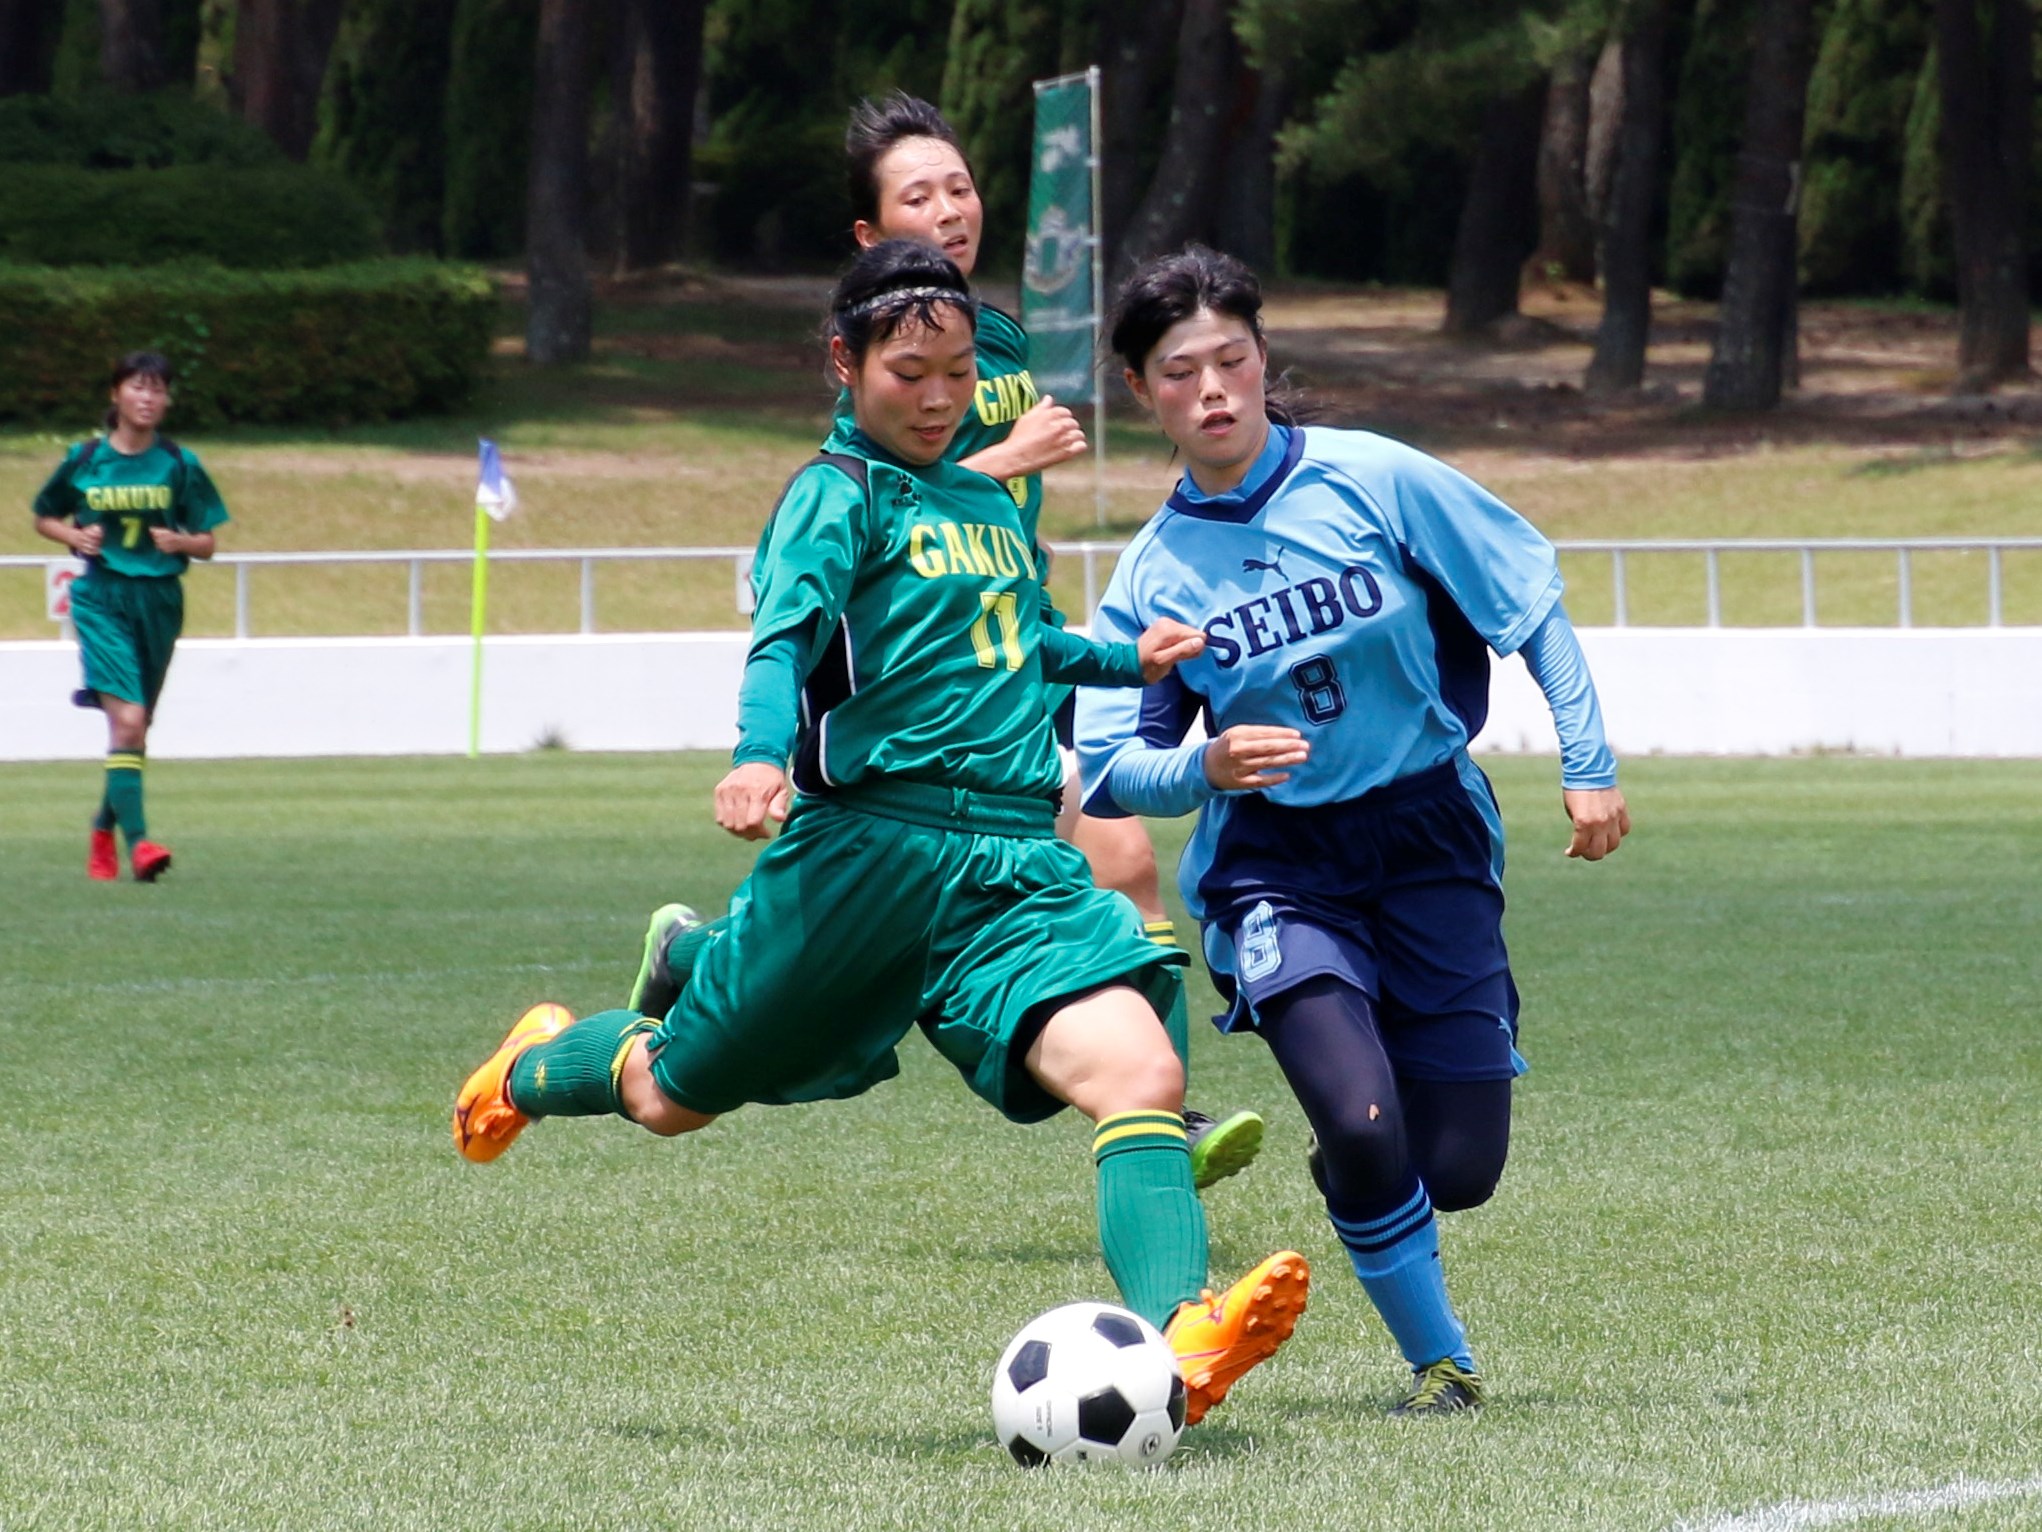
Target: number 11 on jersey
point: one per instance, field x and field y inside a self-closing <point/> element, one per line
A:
<point x="997" y="606"/>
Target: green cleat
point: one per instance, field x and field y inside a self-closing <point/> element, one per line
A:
<point x="1221" y="1149"/>
<point x="1441" y="1389"/>
<point x="656" y="988"/>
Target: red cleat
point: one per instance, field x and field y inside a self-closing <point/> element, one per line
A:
<point x="151" y="860"/>
<point x="103" y="861"/>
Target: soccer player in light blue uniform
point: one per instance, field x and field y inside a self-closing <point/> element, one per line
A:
<point x="1347" y="864"/>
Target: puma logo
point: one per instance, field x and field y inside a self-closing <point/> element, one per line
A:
<point x="1274" y="566"/>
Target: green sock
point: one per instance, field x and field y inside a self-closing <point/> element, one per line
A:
<point x="124" y="793"/>
<point x="685" y="949"/>
<point x="104" y="819"/>
<point x="1151" y="1226"/>
<point x="1178" y="1022"/>
<point x="577" y="1074"/>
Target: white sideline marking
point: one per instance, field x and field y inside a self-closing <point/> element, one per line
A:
<point x="1802" y="1515"/>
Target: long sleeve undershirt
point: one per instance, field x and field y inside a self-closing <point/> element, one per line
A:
<point x="1167" y="783"/>
<point x="769" y="700"/>
<point x="1553" y="656"/>
<point x="1069" y="660"/>
<point x="769" y="696"/>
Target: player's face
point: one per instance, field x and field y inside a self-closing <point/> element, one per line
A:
<point x="1203" y="383"/>
<point x="926" y="192"/>
<point x="912" y="389"/>
<point x="140" y="401"/>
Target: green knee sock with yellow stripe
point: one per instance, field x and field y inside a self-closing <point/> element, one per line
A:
<point x="578" y="1073"/>
<point x="1178" y="1022"/>
<point x="1151" y="1226"/>
<point x="124" y="793"/>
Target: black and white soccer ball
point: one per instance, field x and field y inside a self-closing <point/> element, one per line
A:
<point x="1088" y="1383"/>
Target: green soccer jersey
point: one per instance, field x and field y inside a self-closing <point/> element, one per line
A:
<point x="129" y="494"/>
<point x="908" y="616"/>
<point x="1005" y="392"/>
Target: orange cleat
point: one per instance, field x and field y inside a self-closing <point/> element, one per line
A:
<point x="103" y="861"/>
<point x="485" y="1122"/>
<point x="1218" y="1339"/>
<point x="151" y="860"/>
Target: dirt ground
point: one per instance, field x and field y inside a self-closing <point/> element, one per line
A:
<point x="1873" y="375"/>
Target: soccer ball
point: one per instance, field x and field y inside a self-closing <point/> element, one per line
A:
<point x="1088" y="1383"/>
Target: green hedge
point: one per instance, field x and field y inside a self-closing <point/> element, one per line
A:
<point x="99" y="130"/>
<point x="283" y="217"/>
<point x="366" y="342"/>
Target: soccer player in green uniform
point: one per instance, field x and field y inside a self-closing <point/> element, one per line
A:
<point x="908" y="179"/>
<point x="898" y="665"/>
<point x="137" y="508"/>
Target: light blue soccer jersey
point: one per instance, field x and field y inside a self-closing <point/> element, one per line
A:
<point x="1351" y="587"/>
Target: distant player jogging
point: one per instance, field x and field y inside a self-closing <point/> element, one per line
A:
<point x="1347" y="863"/>
<point x="900" y="663"/>
<point x="138" y="509"/>
<point x="908" y="179"/>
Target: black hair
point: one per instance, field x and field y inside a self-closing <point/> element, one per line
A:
<point x="137" y="364"/>
<point x="875" y="127"/>
<point x="1172" y="288"/>
<point x="895" y="281"/>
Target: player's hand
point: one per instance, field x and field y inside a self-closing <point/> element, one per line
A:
<point x="166" y="541"/>
<point x="85" y="541"/>
<point x="1601" y="821"/>
<point x="1253" y="755"/>
<point x="1166" y="644"/>
<point x="749" y="796"/>
<point x="1048" y="434"/>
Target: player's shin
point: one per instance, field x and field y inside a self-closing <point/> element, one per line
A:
<point x="1394" y="1245"/>
<point x="578" y="1072"/>
<point x="124" y="793"/>
<point x="1151" y="1226"/>
<point x="1177" y="1019"/>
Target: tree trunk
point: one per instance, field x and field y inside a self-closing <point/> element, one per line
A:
<point x="1244" y="218"/>
<point x="131" y="44"/>
<point x="1988" y="97"/>
<point x="662" y="40"/>
<point x="1182" y="189"/>
<point x="1499" y="219"/>
<point x="1605" y="118"/>
<point x="1136" y="40"/>
<point x="556" y="202"/>
<point x="280" y="53"/>
<point x="1746" y="363"/>
<point x="1566" y="249"/>
<point x="1626" y="328"/>
<point x="28" y="31"/>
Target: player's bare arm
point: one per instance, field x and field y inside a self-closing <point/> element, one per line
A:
<point x="1601" y="821"/>
<point x="83" y="541"/>
<point x="193" y="545"/>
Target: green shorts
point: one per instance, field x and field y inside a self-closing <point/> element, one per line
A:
<point x="889" y="907"/>
<point x="127" y="628"/>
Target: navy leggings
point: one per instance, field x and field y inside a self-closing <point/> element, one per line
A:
<point x="1373" y="1127"/>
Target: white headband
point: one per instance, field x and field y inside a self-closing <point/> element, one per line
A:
<point x="908" y="295"/>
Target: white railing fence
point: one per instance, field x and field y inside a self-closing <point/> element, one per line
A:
<point x="1096" y="562"/>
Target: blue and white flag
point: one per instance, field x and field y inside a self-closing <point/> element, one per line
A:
<point x="494" y="492"/>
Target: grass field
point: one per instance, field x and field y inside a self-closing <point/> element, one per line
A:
<point x="1769" y="1233"/>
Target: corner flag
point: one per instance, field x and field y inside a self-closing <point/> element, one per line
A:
<point x="495" y="498"/>
<point x="494" y="492"/>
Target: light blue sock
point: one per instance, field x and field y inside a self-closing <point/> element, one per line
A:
<point x="1395" y="1251"/>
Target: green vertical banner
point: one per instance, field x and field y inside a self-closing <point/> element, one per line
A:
<point x="1061" y="278"/>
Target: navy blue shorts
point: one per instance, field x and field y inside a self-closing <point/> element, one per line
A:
<point x="1398" y="892"/>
